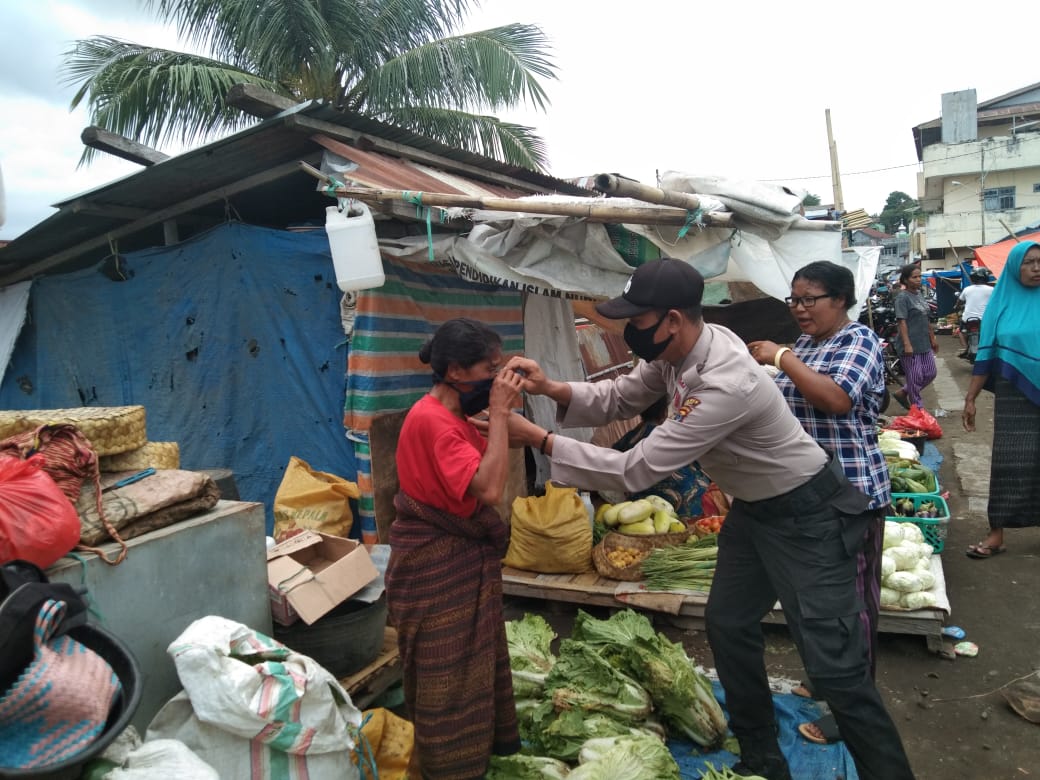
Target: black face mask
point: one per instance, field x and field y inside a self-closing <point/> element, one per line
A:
<point x="475" y="400"/>
<point x="641" y="340"/>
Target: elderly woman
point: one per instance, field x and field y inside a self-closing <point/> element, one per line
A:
<point x="1008" y="364"/>
<point x="444" y="578"/>
<point x="833" y="381"/>
<point x="916" y="343"/>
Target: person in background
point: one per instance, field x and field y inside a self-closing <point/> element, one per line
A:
<point x="973" y="299"/>
<point x="1008" y="362"/>
<point x="443" y="579"/>
<point x="683" y="488"/>
<point x="795" y="527"/>
<point x="916" y="343"/>
<point x="833" y="381"/>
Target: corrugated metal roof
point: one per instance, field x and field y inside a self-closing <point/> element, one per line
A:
<point x="252" y="175"/>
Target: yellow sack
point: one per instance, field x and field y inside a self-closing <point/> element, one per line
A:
<point x="391" y="740"/>
<point x="313" y="500"/>
<point x="551" y="534"/>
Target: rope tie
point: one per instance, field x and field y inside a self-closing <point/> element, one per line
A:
<point x="423" y="212"/>
<point x="695" y="217"/>
<point x="365" y="755"/>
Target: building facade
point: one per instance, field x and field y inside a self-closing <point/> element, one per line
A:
<point x="980" y="173"/>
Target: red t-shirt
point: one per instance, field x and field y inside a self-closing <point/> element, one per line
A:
<point x="437" y="456"/>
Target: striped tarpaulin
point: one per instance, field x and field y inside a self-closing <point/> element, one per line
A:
<point x="384" y="373"/>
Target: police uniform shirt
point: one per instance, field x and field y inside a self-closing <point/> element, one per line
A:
<point x="727" y="414"/>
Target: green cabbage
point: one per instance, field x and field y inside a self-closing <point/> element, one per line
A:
<point x="530" y="656"/>
<point x="523" y="767"/>
<point x="562" y="734"/>
<point x="582" y="679"/>
<point x="626" y="758"/>
<point x="682" y="695"/>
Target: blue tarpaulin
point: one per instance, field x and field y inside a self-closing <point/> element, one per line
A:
<point x="806" y="759"/>
<point x="231" y="341"/>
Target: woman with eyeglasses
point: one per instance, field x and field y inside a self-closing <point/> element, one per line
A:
<point x="916" y="344"/>
<point x="1008" y="363"/>
<point x="833" y="380"/>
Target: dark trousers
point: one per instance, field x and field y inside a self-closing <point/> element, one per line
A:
<point x="804" y="549"/>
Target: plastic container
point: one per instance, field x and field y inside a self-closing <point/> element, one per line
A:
<point x="344" y="641"/>
<point x="354" y="247"/>
<point x="934" y="529"/>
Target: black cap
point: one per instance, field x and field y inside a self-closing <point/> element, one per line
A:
<point x="658" y="284"/>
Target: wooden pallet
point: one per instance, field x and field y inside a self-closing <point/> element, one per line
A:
<point x="686" y="611"/>
<point x="365" y="685"/>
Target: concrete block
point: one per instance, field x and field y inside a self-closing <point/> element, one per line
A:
<point x="213" y="564"/>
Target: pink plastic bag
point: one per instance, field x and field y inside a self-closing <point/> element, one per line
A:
<point x="38" y="523"/>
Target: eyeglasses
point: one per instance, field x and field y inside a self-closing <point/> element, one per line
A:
<point x="808" y="301"/>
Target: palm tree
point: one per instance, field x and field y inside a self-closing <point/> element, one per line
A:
<point x="393" y="60"/>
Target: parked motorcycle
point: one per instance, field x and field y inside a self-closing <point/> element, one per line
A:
<point x="971" y="328"/>
<point x="880" y="315"/>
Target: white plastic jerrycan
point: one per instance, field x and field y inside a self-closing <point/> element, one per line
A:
<point x="354" y="247"/>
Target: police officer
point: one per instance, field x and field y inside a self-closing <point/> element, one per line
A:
<point x="793" y="531"/>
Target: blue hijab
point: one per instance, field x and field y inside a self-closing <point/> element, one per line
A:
<point x="1008" y="341"/>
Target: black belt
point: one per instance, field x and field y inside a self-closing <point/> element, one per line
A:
<point x="823" y="486"/>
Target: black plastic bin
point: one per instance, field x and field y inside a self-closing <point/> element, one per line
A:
<point x="125" y="666"/>
<point x="344" y="641"/>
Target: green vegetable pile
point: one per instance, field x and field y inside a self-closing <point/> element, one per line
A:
<point x="597" y="702"/>
<point x="908" y="476"/>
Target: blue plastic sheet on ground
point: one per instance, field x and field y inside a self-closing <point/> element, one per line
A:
<point x="808" y="761"/>
<point x="931" y="457"/>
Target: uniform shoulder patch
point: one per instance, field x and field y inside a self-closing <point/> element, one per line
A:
<point x="689" y="403"/>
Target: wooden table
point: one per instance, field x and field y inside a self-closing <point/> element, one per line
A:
<point x="365" y="685"/>
<point x="687" y="611"/>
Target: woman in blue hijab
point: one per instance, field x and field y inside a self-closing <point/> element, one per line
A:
<point x="1008" y="363"/>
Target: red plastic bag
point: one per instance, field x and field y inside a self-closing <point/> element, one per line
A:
<point x="38" y="523"/>
<point x="917" y="419"/>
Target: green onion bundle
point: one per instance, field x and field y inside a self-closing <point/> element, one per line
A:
<point x="689" y="566"/>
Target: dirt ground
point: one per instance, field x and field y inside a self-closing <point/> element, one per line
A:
<point x="954" y="720"/>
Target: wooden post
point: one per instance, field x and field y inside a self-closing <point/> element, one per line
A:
<point x="839" y="200"/>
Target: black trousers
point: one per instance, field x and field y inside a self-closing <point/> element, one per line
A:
<point x="803" y="549"/>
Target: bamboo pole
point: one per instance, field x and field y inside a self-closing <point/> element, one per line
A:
<point x="1011" y="232"/>
<point x="594" y="211"/>
<point x="609" y="184"/>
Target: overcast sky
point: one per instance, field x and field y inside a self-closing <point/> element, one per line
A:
<point x="730" y="89"/>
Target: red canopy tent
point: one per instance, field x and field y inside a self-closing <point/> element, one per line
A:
<point x="993" y="256"/>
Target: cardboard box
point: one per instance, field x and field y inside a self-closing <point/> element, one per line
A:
<point x="312" y="573"/>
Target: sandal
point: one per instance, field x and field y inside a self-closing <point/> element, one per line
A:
<point x="823" y="731"/>
<point x="803" y="690"/>
<point x="983" y="550"/>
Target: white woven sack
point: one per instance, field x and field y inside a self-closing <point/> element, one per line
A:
<point x="252" y="708"/>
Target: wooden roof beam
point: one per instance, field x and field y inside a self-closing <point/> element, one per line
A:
<point x="120" y="146"/>
<point x="257" y="101"/>
<point x="152" y="218"/>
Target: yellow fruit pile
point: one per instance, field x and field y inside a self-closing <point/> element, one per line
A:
<point x="644" y="516"/>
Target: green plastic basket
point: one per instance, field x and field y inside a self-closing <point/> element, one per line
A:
<point x="933" y="528"/>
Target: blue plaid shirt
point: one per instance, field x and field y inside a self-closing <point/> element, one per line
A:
<point x="852" y="358"/>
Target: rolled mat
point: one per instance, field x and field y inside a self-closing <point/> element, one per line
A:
<point x="153" y="455"/>
<point x="110" y="429"/>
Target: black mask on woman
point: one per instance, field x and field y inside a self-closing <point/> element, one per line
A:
<point x="476" y="400"/>
<point x="641" y="340"/>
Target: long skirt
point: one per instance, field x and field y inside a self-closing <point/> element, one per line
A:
<point x="1014" y="476"/>
<point x="444" y="593"/>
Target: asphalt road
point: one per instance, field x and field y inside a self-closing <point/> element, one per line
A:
<point x="951" y="713"/>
